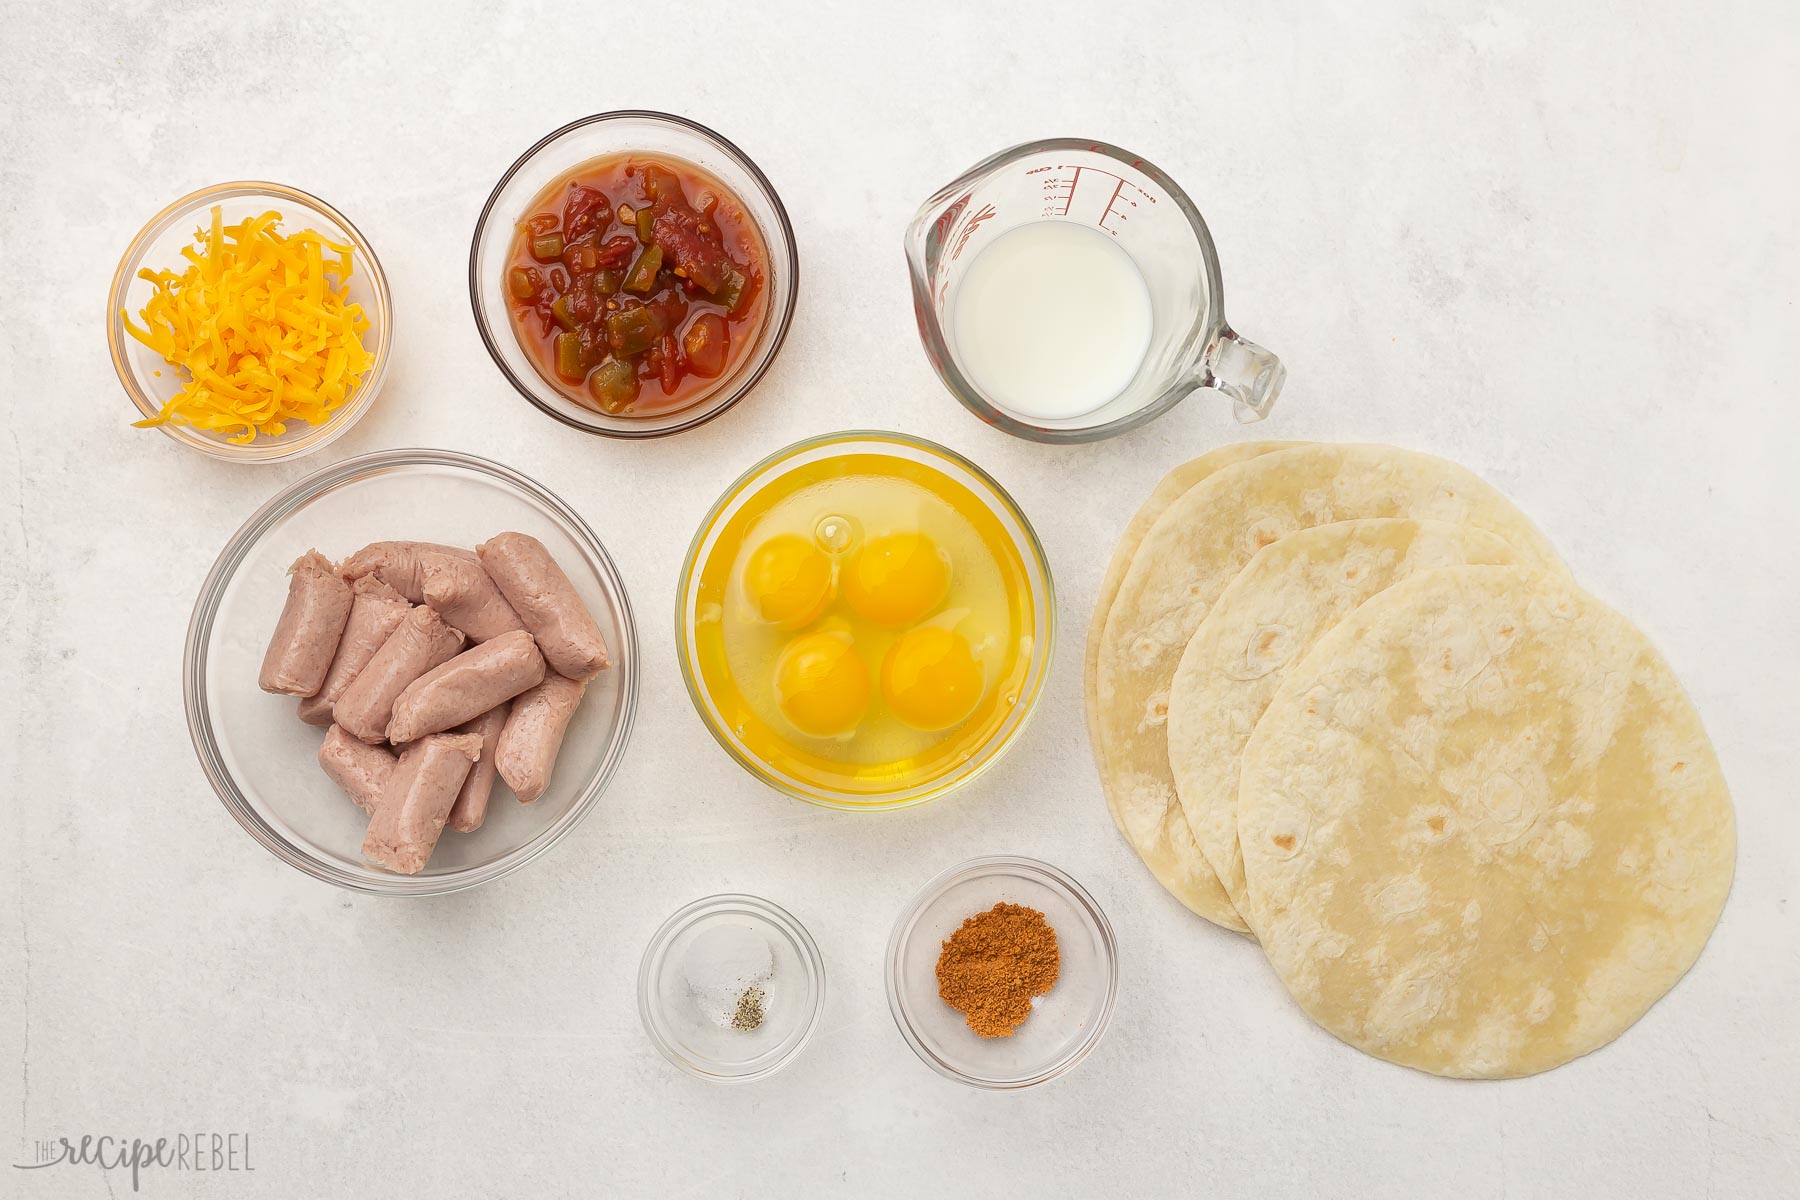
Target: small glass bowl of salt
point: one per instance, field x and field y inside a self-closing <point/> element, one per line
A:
<point x="731" y="988"/>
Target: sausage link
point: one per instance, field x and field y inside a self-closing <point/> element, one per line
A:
<point x="404" y="828"/>
<point x="400" y="565"/>
<point x="470" y="809"/>
<point x="376" y="610"/>
<point x="419" y="643"/>
<point x="466" y="686"/>
<point x="360" y="769"/>
<point x="547" y="603"/>
<point x="533" y="735"/>
<point x="462" y="592"/>
<point x="306" y="636"/>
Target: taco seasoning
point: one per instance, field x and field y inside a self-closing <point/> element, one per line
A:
<point x="995" y="964"/>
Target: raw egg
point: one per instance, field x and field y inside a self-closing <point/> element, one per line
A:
<point x="897" y="578"/>
<point x="788" y="580"/>
<point x="931" y="678"/>
<point x="861" y="624"/>
<point x="821" y="684"/>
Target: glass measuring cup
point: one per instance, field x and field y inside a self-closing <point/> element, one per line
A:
<point x="1151" y="219"/>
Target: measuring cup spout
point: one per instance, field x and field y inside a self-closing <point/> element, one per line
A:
<point x="1244" y="371"/>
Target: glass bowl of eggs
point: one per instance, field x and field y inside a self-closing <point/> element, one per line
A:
<point x="865" y="620"/>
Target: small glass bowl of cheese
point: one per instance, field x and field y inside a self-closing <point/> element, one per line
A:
<point x="865" y="620"/>
<point x="150" y="380"/>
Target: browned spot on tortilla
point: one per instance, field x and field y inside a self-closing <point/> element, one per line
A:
<point x="1285" y="840"/>
<point x="1436" y="823"/>
<point x="1263" y="538"/>
<point x="1680" y="766"/>
<point x="1265" y="641"/>
<point x="1506" y="631"/>
<point x="1446" y="661"/>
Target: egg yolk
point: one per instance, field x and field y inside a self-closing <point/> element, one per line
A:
<point x="930" y="678"/>
<point x="788" y="579"/>
<point x="821" y="685"/>
<point x="897" y="578"/>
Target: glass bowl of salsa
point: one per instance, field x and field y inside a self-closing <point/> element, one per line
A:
<point x="633" y="274"/>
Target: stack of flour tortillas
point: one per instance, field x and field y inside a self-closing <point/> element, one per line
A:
<point x="1347" y="699"/>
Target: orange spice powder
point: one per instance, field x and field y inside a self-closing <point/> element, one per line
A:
<point x="992" y="966"/>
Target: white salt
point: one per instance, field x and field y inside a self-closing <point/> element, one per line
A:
<point x="721" y="964"/>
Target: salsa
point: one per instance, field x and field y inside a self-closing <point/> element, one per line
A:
<point x="636" y="283"/>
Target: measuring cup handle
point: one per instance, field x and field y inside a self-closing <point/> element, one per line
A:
<point x="1244" y="371"/>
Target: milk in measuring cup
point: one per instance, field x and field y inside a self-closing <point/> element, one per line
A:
<point x="1052" y="320"/>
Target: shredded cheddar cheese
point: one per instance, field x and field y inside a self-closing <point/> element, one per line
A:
<point x="260" y="327"/>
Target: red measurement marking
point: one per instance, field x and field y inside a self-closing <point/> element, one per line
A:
<point x="947" y="218"/>
<point x="962" y="239"/>
<point x="984" y="213"/>
<point x="1108" y="210"/>
<point x="1069" y="200"/>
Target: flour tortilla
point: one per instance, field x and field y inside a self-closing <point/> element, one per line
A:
<point x="1167" y="491"/>
<point x="1284" y="600"/>
<point x="1483" y="828"/>
<point x="1186" y="560"/>
<point x="1170" y="489"/>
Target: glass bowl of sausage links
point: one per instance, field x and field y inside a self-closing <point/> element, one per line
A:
<point x="346" y="636"/>
<point x="633" y="274"/>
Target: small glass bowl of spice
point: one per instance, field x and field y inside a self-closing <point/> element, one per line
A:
<point x="731" y="988"/>
<point x="1002" y="973"/>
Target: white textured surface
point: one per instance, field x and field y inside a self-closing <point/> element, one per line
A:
<point x="1554" y="241"/>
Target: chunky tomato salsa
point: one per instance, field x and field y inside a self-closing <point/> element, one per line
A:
<point x="637" y="283"/>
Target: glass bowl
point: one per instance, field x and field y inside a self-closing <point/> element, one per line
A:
<point x="689" y="603"/>
<point x="595" y="137"/>
<point x="1065" y="1024"/>
<point x="257" y="754"/>
<point x="159" y="244"/>
<point x="687" y="1037"/>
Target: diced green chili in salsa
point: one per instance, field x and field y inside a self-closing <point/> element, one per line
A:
<point x="636" y="283"/>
